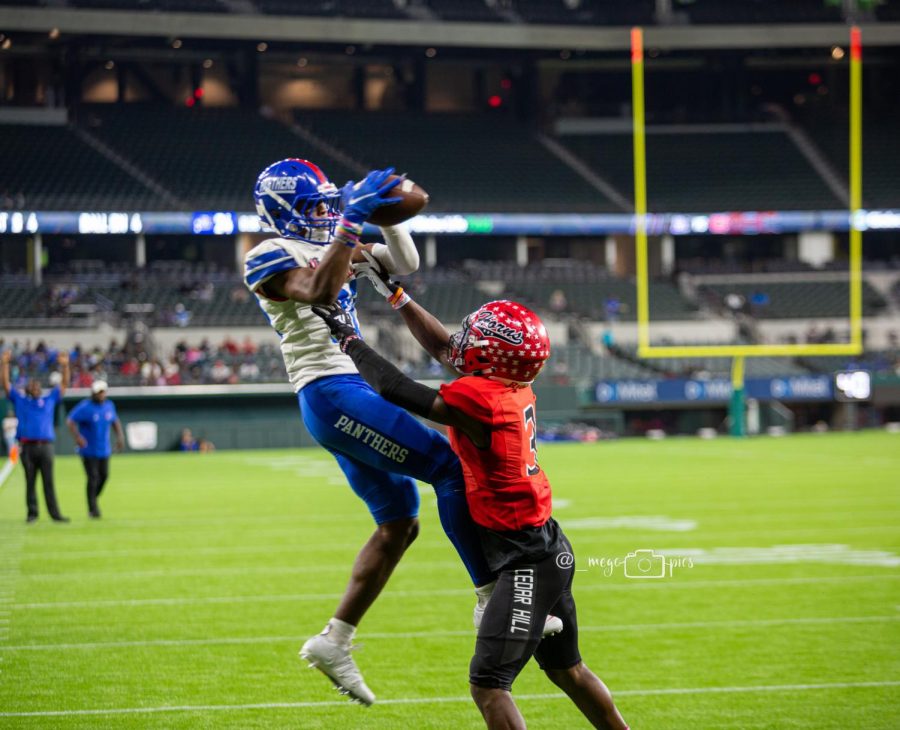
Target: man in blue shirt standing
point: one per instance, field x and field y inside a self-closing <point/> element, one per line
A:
<point x="90" y="422"/>
<point x="35" y="432"/>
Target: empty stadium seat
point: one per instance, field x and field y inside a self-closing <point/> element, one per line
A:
<point x="209" y="158"/>
<point x="715" y="171"/>
<point x="803" y="298"/>
<point x="880" y="153"/>
<point x="55" y="170"/>
<point x="467" y="162"/>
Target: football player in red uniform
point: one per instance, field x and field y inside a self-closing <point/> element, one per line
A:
<point x="490" y="414"/>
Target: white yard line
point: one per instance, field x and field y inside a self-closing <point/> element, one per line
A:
<point x="119" y="575"/>
<point x="459" y="699"/>
<point x="5" y="471"/>
<point x="611" y="628"/>
<point x="602" y="584"/>
<point x="312" y="547"/>
<point x="190" y="551"/>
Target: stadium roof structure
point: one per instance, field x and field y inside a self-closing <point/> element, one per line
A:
<point x="375" y="31"/>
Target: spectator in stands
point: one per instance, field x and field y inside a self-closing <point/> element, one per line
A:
<point x="35" y="412"/>
<point x="735" y="302"/>
<point x="220" y="372"/>
<point x="130" y="367"/>
<point x="12" y="201"/>
<point x="151" y="373"/>
<point x="90" y="423"/>
<point x="759" y="303"/>
<point x="230" y="346"/>
<point x="171" y="372"/>
<point x="181" y="317"/>
<point x="558" y="302"/>
<point x="248" y="370"/>
<point x="239" y="295"/>
<point x="613" y="308"/>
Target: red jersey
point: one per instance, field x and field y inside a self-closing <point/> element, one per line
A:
<point x="505" y="487"/>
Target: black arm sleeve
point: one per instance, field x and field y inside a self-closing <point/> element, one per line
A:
<point x="389" y="382"/>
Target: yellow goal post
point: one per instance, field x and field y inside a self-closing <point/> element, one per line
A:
<point x="645" y="348"/>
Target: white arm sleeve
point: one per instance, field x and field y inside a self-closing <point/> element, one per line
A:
<point x="398" y="254"/>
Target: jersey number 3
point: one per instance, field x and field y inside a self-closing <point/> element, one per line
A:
<point x="531" y="465"/>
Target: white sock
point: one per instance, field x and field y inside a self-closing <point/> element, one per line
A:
<point x="340" y="632"/>
<point x="484" y="592"/>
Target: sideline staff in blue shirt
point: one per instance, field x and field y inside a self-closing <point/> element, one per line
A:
<point x="90" y="422"/>
<point x="35" y="432"/>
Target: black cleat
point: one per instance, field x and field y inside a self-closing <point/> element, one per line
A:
<point x="60" y="518"/>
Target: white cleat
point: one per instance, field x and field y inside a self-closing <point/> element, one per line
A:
<point x="335" y="662"/>
<point x="553" y="624"/>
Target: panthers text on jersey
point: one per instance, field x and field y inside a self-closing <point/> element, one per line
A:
<point x="505" y="487"/>
<point x="306" y="344"/>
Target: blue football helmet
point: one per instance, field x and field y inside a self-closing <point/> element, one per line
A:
<point x="288" y="196"/>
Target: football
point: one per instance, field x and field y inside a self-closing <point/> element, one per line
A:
<point x="414" y="199"/>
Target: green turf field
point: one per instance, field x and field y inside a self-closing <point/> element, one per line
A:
<point x="186" y="605"/>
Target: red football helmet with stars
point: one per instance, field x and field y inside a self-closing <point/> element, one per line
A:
<point x="503" y="339"/>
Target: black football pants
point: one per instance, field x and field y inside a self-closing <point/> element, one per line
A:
<point x="97" y="471"/>
<point x="37" y="456"/>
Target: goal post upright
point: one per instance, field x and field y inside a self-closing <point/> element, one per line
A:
<point x="640" y="187"/>
<point x="856" y="313"/>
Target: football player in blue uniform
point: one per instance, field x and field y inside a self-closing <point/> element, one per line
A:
<point x="381" y="449"/>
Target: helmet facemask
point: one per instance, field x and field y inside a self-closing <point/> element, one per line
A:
<point x="465" y="350"/>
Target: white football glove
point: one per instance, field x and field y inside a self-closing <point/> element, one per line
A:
<point x="373" y="270"/>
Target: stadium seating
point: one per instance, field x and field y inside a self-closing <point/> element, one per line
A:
<point x="22" y="300"/>
<point x="881" y="154"/>
<point x="209" y="158"/>
<point x="803" y="298"/>
<point x="470" y="163"/>
<point x="610" y="299"/>
<point x="448" y="294"/>
<point x="888" y="11"/>
<point x="471" y="11"/>
<point x="702" y="172"/>
<point x="339" y="8"/>
<point x="56" y="170"/>
<point x="761" y="11"/>
<point x="185" y="6"/>
<point x="596" y="12"/>
<point x="885" y="361"/>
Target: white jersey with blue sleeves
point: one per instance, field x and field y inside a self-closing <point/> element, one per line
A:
<point x="307" y="347"/>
